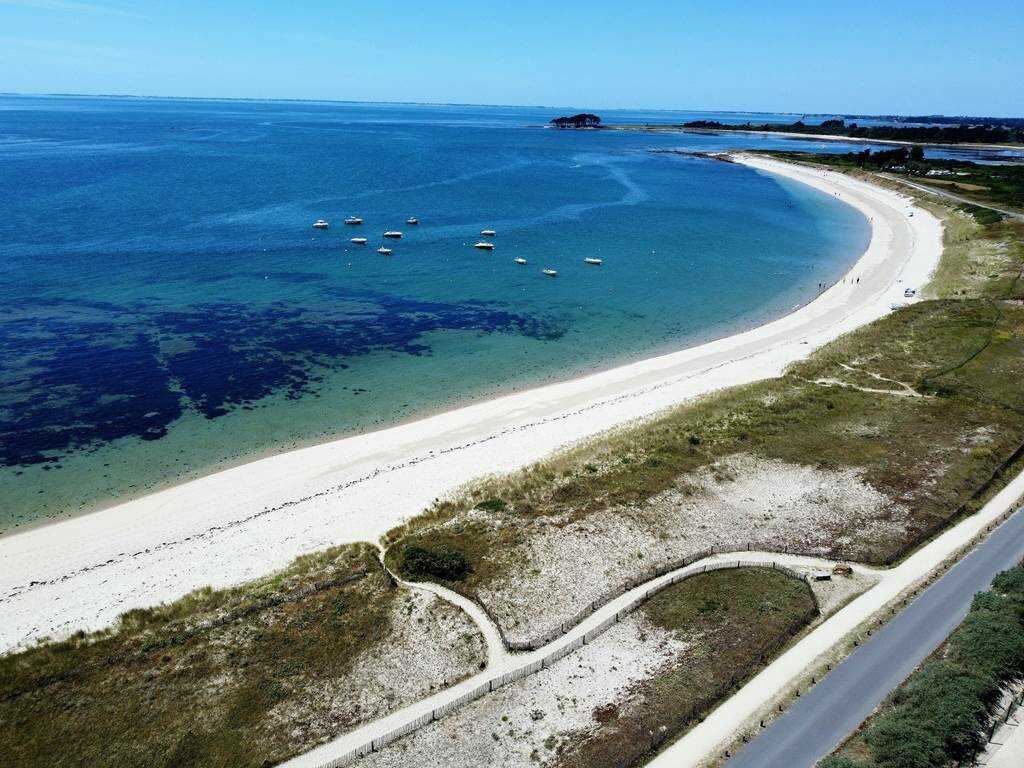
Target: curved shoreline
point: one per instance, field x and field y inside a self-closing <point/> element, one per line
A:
<point x="237" y="524"/>
<point x="655" y="128"/>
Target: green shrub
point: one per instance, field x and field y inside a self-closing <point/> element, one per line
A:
<point x="991" y="601"/>
<point x="938" y="716"/>
<point x="492" y="505"/>
<point x="840" y="762"/>
<point x="900" y="741"/>
<point x="419" y="563"/>
<point x="1010" y="582"/>
<point x="990" y="643"/>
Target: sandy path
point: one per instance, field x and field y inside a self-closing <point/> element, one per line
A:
<point x="243" y="522"/>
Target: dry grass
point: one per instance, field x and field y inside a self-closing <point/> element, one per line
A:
<point x="239" y="677"/>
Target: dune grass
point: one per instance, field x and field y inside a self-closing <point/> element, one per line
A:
<point x="219" y="678"/>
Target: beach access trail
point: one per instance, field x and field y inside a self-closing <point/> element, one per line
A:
<point x="714" y="733"/>
<point x="245" y="522"/>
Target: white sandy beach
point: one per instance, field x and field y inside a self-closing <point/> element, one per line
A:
<point x="243" y="522"/>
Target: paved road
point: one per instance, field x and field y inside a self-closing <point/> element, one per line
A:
<point x="951" y="196"/>
<point x="832" y="709"/>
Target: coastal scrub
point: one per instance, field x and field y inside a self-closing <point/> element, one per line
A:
<point x="243" y="677"/>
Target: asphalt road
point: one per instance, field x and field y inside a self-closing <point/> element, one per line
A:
<point x="813" y="726"/>
<point x="951" y="196"/>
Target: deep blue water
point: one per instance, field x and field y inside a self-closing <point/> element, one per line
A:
<point x="166" y="307"/>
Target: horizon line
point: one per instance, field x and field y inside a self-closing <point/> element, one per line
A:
<point x="59" y="94"/>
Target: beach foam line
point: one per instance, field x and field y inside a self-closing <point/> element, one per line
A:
<point x="243" y="522"/>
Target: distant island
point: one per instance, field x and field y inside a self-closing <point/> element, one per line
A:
<point x="961" y="133"/>
<point x="582" y="120"/>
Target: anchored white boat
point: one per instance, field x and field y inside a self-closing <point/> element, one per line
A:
<point x="320" y="224"/>
<point x="484" y="245"/>
<point x="351" y="220"/>
<point x="520" y="261"/>
<point x="412" y="220"/>
<point x="384" y="251"/>
<point x="596" y="262"/>
<point x="358" y="240"/>
<point x="393" y="234"/>
<point x="488" y="233"/>
<point x="550" y="273"/>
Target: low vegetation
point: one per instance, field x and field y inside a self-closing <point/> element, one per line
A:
<point x="732" y="622"/>
<point x="613" y="701"/>
<point x="238" y="677"/>
<point x="938" y="717"/>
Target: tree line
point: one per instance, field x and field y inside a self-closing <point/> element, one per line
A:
<point x="927" y="134"/>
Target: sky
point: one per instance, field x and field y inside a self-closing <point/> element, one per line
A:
<point x="832" y="56"/>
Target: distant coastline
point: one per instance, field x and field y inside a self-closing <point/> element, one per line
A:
<point x="656" y="128"/>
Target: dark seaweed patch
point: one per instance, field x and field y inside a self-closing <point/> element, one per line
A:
<point x="87" y="383"/>
<point x="76" y="375"/>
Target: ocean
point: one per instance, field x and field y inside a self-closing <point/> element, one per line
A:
<point x="166" y="307"/>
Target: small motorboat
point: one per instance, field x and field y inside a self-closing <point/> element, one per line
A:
<point x="320" y="224"/>
<point x="353" y="220"/>
<point x="488" y="233"/>
<point x="412" y="220"/>
<point x="595" y="262"/>
<point x="393" y="234"/>
<point x="520" y="260"/>
<point x="384" y="251"/>
<point x="484" y="246"/>
<point x="358" y="241"/>
<point x="550" y="273"/>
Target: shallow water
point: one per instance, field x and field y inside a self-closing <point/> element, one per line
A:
<point x="166" y="307"/>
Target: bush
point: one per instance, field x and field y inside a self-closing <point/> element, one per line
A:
<point x="420" y="563"/>
<point x="492" y="505"/>
<point x="991" y="601"/>
<point x="990" y="643"/>
<point x="900" y="741"/>
<point x="1010" y="582"/>
<point x="840" y="762"/>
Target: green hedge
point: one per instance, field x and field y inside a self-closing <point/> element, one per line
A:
<point x="940" y="714"/>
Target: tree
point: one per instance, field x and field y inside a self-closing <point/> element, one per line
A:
<point x="582" y="120"/>
<point x="917" y="153"/>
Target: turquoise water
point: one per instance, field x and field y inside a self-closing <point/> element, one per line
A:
<point x="166" y="307"/>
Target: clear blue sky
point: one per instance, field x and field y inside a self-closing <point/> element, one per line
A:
<point x="900" y="56"/>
